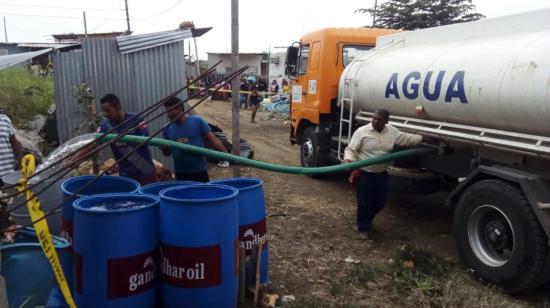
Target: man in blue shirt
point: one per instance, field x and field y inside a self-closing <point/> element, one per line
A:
<point x="192" y="130"/>
<point x="138" y="165"/>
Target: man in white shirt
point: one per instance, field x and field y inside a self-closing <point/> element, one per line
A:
<point x="10" y="149"/>
<point x="369" y="141"/>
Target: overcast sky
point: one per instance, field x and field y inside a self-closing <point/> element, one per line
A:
<point x="263" y="24"/>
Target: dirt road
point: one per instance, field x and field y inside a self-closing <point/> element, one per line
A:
<point x="310" y="221"/>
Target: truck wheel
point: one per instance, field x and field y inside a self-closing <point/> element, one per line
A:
<point x="499" y="237"/>
<point x="308" y="148"/>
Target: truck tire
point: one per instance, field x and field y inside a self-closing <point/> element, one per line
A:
<point x="499" y="237"/>
<point x="308" y="148"/>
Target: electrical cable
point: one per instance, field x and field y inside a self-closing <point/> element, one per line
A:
<point x="147" y="111"/>
<point x="53" y="211"/>
<point x="160" y="13"/>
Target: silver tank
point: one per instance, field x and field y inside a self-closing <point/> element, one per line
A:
<point x="490" y="73"/>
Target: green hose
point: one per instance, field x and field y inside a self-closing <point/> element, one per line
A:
<point x="268" y="166"/>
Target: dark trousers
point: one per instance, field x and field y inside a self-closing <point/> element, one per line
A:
<point x="195" y="177"/>
<point x="372" y="193"/>
<point x="243" y="100"/>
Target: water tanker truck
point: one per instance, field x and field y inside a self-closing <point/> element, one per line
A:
<point x="482" y="90"/>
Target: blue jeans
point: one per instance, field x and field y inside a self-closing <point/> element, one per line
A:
<point x="243" y="100"/>
<point x="372" y="193"/>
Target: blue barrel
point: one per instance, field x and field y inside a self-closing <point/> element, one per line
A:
<point x="105" y="184"/>
<point x="155" y="188"/>
<point x="252" y="222"/>
<point x="199" y="256"/>
<point x="28" y="274"/>
<point x="116" y="250"/>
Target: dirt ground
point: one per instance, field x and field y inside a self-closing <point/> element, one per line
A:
<point x="310" y="224"/>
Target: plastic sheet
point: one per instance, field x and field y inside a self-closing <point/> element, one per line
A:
<point x="63" y="150"/>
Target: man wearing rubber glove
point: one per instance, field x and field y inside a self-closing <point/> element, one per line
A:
<point x="138" y="163"/>
<point x="191" y="130"/>
<point x="372" y="140"/>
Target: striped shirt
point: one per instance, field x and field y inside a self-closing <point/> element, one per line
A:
<point x="367" y="142"/>
<point x="7" y="160"/>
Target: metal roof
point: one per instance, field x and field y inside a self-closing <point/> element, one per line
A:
<point x="133" y="43"/>
<point x="10" y="60"/>
<point x="46" y="45"/>
<point x="77" y="36"/>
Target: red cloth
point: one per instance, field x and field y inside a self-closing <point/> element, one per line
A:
<point x="354" y="177"/>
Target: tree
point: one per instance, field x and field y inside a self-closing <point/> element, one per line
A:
<point x="418" y="14"/>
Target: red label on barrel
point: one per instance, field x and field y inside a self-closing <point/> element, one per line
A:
<point x="131" y="275"/>
<point x="191" y="267"/>
<point x="67" y="232"/>
<point x="252" y="235"/>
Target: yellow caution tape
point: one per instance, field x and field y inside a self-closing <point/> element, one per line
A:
<point x="229" y="91"/>
<point x="42" y="229"/>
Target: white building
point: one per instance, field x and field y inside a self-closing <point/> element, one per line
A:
<point x="277" y="67"/>
<point x="257" y="63"/>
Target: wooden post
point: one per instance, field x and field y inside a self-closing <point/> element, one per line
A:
<point x="257" y="277"/>
<point x="236" y="136"/>
<point x="5" y="30"/>
<point x="127" y="18"/>
<point x="242" y="274"/>
<point x="85" y="25"/>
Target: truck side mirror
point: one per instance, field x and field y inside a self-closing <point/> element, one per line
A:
<point x="291" y="60"/>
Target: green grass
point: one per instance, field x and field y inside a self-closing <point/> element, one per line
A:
<point x="23" y="95"/>
<point x="357" y="276"/>
<point x="415" y="277"/>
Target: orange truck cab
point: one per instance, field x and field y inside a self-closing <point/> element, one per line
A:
<point x="314" y="66"/>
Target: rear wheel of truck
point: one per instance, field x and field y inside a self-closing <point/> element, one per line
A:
<point x="499" y="237"/>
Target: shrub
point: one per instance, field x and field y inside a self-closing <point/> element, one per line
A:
<point x="23" y="95"/>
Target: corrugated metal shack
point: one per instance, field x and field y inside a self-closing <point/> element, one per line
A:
<point x="139" y="69"/>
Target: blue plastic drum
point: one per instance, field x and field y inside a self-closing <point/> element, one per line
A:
<point x="105" y="184"/>
<point x="199" y="246"/>
<point x="29" y="276"/>
<point x="252" y="222"/>
<point x="155" y="188"/>
<point x="116" y="250"/>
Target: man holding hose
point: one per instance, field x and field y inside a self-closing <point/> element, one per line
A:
<point x="369" y="141"/>
<point x="192" y="130"/>
<point x="139" y="164"/>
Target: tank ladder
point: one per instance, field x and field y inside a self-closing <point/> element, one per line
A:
<point x="347" y="98"/>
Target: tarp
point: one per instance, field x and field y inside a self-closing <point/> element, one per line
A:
<point x="11" y="60"/>
<point x="279" y="106"/>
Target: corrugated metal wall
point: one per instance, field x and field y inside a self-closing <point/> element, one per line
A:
<point x="139" y="79"/>
<point x="68" y="72"/>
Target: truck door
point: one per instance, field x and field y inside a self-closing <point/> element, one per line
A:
<point x="299" y="86"/>
<point x="305" y="89"/>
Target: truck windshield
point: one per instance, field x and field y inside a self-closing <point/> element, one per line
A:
<point x="304" y="56"/>
<point x="352" y="52"/>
